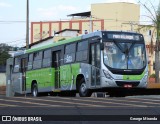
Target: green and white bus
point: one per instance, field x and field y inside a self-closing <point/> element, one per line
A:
<point x="101" y="61"/>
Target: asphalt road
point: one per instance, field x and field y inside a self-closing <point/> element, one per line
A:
<point x="83" y="110"/>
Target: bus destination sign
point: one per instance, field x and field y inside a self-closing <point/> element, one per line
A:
<point x="124" y="36"/>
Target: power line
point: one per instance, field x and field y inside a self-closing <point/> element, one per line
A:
<point x="119" y="20"/>
<point x="12" y="21"/>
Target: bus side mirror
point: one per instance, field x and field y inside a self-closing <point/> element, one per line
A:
<point x="102" y="46"/>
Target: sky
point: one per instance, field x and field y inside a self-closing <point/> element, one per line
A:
<point x="13" y="14"/>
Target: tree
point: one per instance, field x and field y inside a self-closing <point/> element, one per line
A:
<point x="4" y="48"/>
<point x="155" y="17"/>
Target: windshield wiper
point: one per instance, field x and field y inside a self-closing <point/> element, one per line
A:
<point x="126" y="49"/>
<point x="119" y="46"/>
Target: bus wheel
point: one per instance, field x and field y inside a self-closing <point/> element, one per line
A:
<point x="34" y="90"/>
<point x="83" y="91"/>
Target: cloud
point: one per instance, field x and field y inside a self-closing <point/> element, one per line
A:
<point x="56" y="11"/>
<point x="66" y="8"/>
<point x="88" y="8"/>
<point x="3" y="4"/>
<point x="47" y="11"/>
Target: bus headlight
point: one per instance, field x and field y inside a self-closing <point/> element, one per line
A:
<point x="106" y="73"/>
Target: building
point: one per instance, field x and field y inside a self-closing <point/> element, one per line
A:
<point x="40" y="43"/>
<point x="41" y="30"/>
<point x="118" y="16"/>
<point x="103" y="16"/>
<point x="58" y="36"/>
<point x="65" y="34"/>
<point x="2" y="76"/>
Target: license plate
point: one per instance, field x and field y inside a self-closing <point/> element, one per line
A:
<point x="128" y="86"/>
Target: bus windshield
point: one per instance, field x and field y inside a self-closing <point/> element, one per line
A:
<point x="124" y="55"/>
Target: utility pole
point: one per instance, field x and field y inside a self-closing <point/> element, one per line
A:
<point x="91" y="24"/>
<point x="27" y="25"/>
<point x="131" y="23"/>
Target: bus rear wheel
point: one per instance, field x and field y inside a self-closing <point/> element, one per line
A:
<point x="34" y="90"/>
<point x="83" y="91"/>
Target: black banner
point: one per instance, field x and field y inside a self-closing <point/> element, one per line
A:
<point x="29" y="118"/>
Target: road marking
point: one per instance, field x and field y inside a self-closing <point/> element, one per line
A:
<point x="152" y="100"/>
<point x="58" y="101"/>
<point x="100" y="100"/>
<point x="103" y="102"/>
<point x="141" y="98"/>
<point x="86" y="107"/>
<point x="7" y="105"/>
<point x="130" y="101"/>
<point x="145" y="96"/>
<point x="27" y="102"/>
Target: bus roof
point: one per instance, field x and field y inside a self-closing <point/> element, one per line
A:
<point x="54" y="44"/>
<point x="98" y="33"/>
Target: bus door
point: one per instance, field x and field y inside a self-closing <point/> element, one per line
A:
<point x="95" y="62"/>
<point x="56" y="64"/>
<point x="23" y="70"/>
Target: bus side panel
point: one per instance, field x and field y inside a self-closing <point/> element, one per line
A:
<point x="68" y="74"/>
<point x="65" y="77"/>
<point x="86" y="71"/>
<point x="44" y="78"/>
<point x="17" y="82"/>
<point x="75" y="72"/>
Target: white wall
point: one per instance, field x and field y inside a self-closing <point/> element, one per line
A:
<point x="2" y="79"/>
<point x="44" y="43"/>
<point x="69" y="33"/>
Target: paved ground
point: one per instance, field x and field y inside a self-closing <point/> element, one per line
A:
<point x="91" y="110"/>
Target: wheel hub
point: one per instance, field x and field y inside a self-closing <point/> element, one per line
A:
<point x="34" y="92"/>
<point x="83" y="88"/>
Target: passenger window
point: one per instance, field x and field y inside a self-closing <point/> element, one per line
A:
<point x="46" y="58"/>
<point x="82" y="51"/>
<point x="82" y="45"/>
<point x="69" y="56"/>
<point x="70" y="48"/>
<point x="37" y="57"/>
<point x="30" y="62"/>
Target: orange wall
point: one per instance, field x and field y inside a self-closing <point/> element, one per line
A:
<point x="41" y="30"/>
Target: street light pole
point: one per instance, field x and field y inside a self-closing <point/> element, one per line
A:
<point x="27" y="25"/>
<point x="91" y="24"/>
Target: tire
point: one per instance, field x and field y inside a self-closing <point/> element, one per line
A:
<point x="34" y="90"/>
<point x="83" y="91"/>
